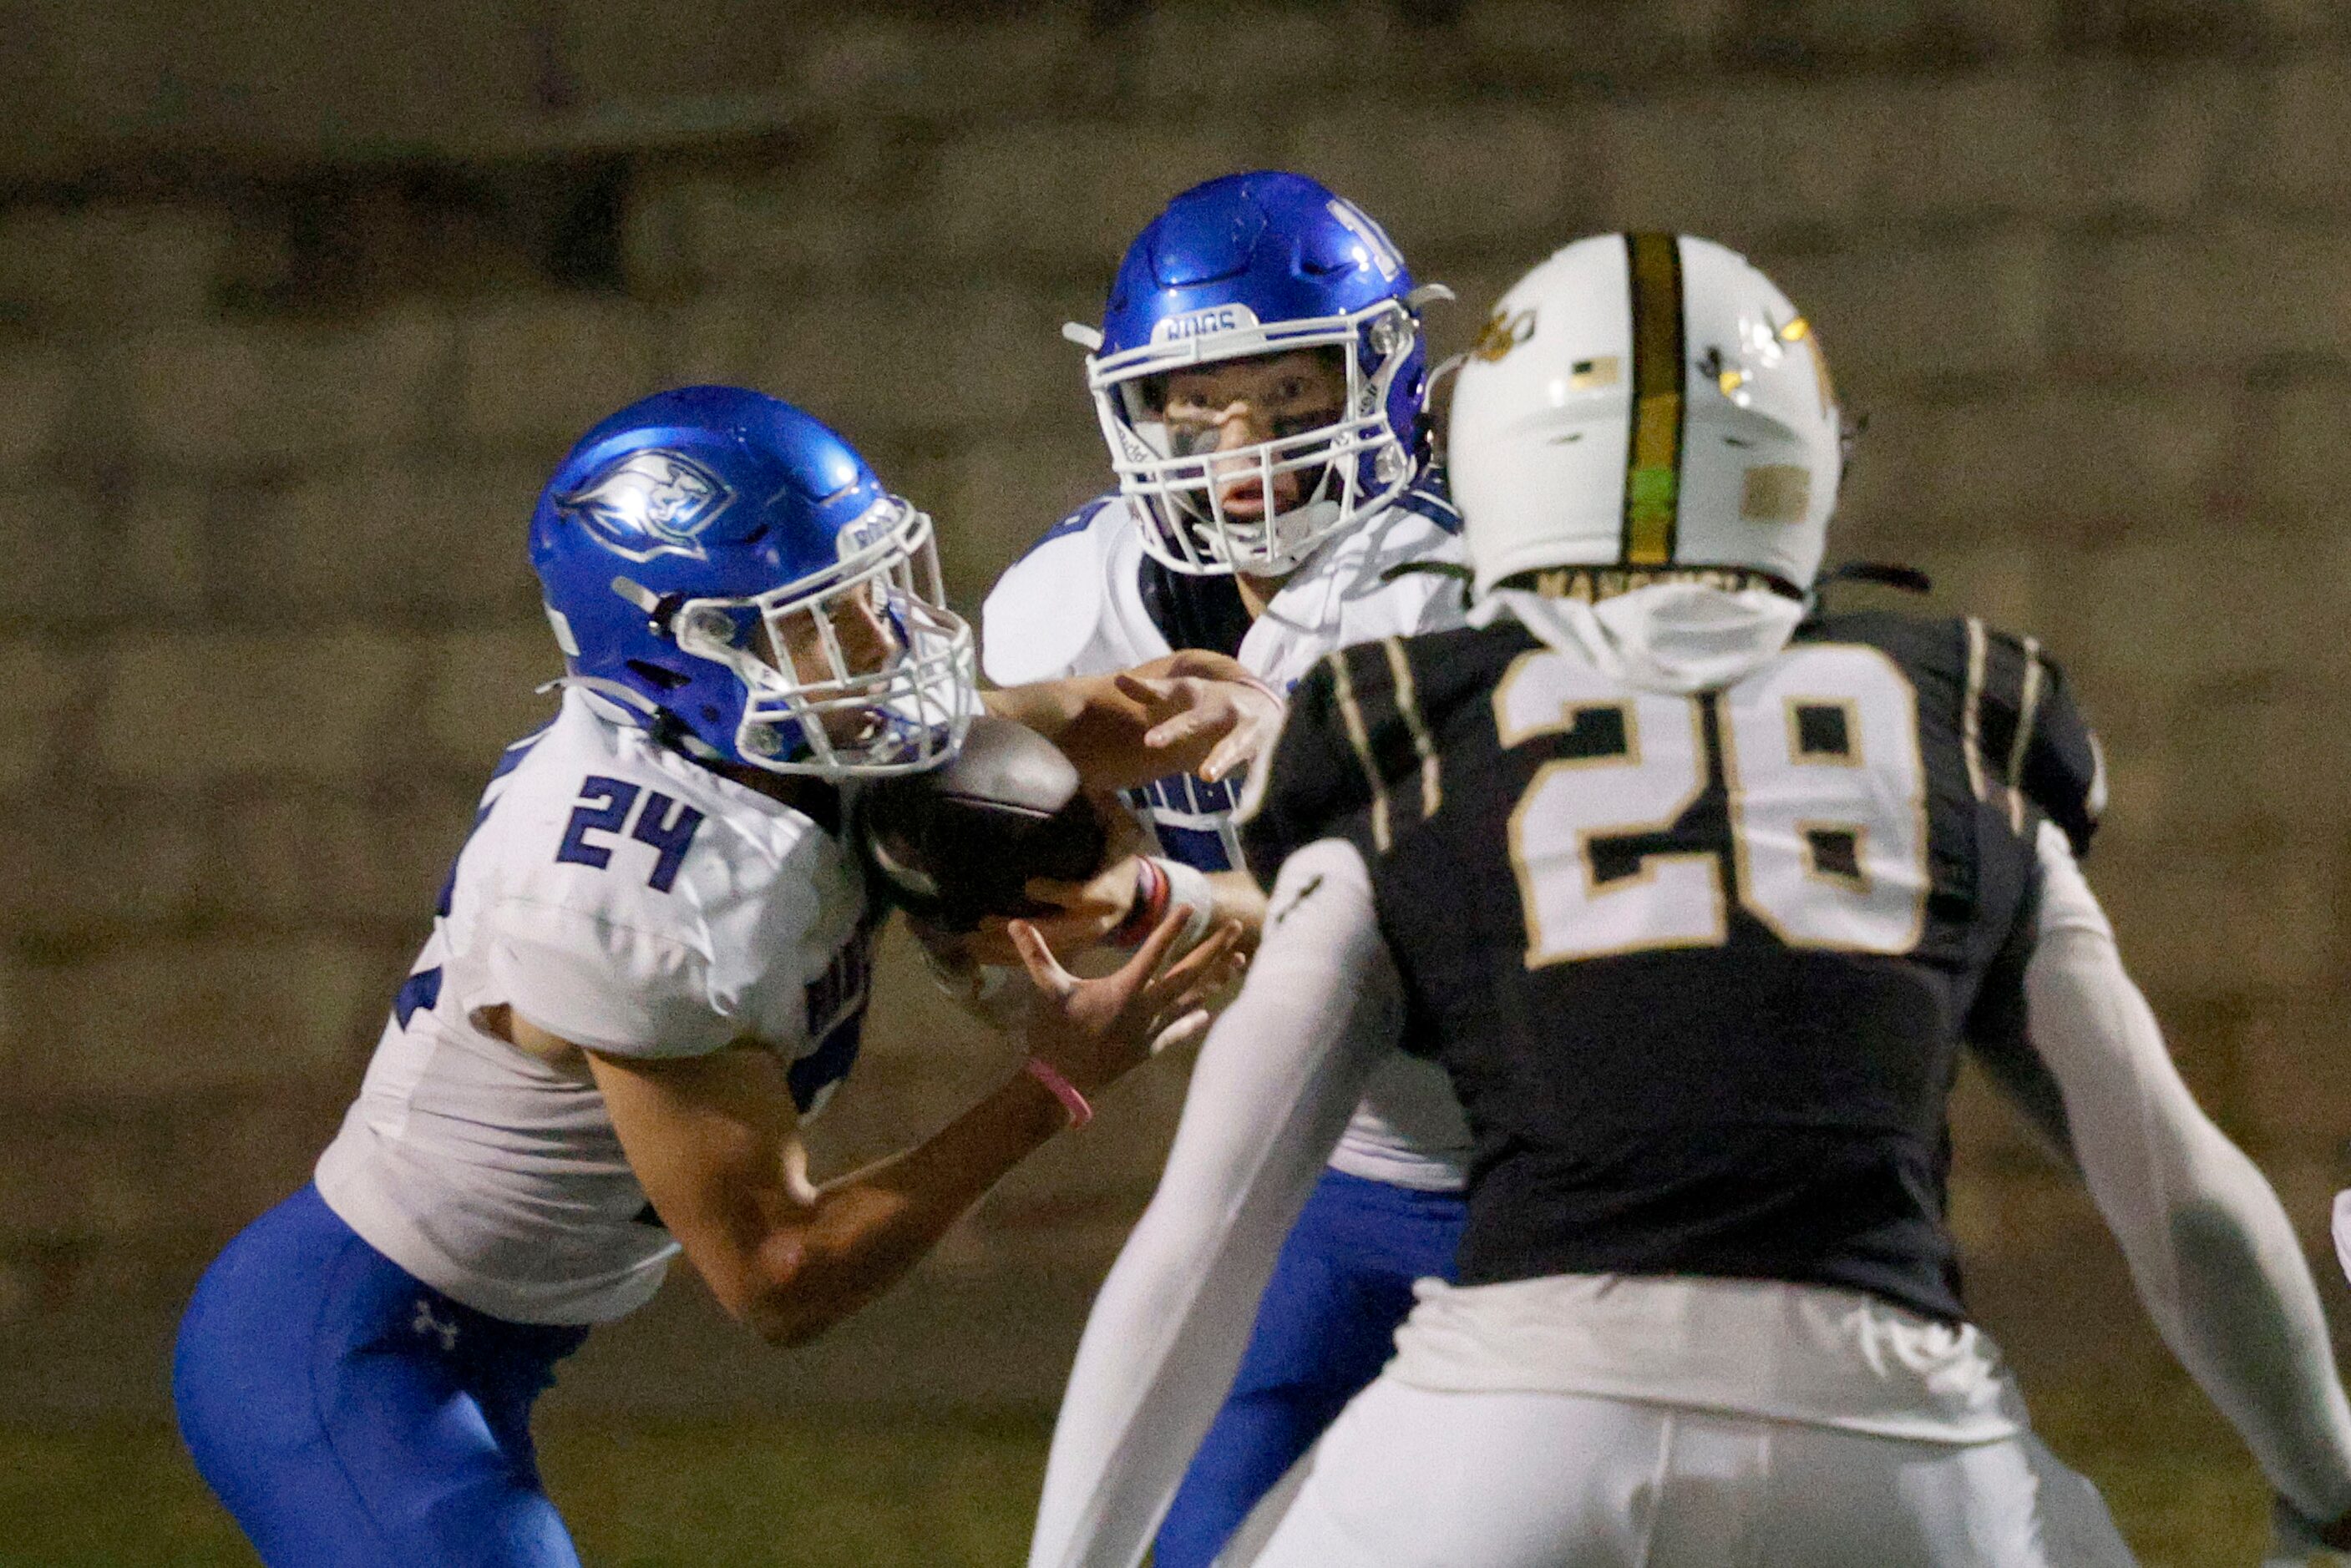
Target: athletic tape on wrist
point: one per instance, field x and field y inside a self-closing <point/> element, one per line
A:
<point x="1187" y="885"/>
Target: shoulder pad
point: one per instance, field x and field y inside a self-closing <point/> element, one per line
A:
<point x="2020" y="730"/>
<point x="1042" y="612"/>
<point x="1423" y="574"/>
<point x="1353" y="761"/>
<point x="1413" y="568"/>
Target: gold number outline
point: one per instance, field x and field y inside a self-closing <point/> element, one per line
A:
<point x="1740" y="841"/>
<point x="1571" y="719"/>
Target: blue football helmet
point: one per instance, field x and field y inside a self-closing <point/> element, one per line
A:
<point x="1258" y="265"/>
<point x="728" y="572"/>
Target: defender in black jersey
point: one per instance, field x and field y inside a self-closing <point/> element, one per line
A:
<point x="1696" y="894"/>
<point x="1710" y="1031"/>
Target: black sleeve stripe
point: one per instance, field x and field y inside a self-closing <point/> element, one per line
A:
<point x="1355" y="758"/>
<point x="1380" y="704"/>
<point x="2026" y="745"/>
<point x="2003" y="693"/>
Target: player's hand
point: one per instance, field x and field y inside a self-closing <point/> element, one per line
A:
<point x="1084" y="913"/>
<point x="1094" y="1031"/>
<point x="2296" y="1541"/>
<point x="990" y="992"/>
<point x="1208" y="714"/>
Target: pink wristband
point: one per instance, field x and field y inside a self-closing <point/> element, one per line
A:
<point x="1248" y="678"/>
<point x="1045" y="1073"/>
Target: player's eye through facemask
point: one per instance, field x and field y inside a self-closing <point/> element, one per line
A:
<point x="1296" y="396"/>
<point x="1247" y="461"/>
<point x="862" y="670"/>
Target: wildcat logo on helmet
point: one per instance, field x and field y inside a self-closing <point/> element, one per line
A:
<point x="654" y="503"/>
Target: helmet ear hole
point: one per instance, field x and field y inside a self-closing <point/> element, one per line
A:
<point x="655" y="676"/>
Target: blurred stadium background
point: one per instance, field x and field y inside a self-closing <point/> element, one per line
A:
<point x="299" y="302"/>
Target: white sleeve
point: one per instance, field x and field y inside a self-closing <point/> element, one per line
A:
<point x="2210" y="1249"/>
<point x="610" y="987"/>
<point x="1271" y="1091"/>
<point x="2343" y="1232"/>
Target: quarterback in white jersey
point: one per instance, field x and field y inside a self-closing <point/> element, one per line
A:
<point x="1260" y="378"/>
<point x="650" y="961"/>
<point x="1696" y="892"/>
<point x="1082" y="602"/>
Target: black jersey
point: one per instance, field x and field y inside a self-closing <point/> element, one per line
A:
<point x="1698" y="966"/>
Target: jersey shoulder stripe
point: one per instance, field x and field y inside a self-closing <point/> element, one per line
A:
<point x="1431" y="496"/>
<point x="1075" y="523"/>
<point x="2024" y="741"/>
<point x="1044" y="617"/>
<point x="1358" y="755"/>
<point x="512" y="757"/>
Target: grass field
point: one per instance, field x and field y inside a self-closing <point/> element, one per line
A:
<point x="869" y="1493"/>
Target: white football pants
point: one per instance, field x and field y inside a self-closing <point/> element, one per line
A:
<point x="1407" y="1478"/>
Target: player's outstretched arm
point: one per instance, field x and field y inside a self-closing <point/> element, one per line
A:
<point x="1281" y="1074"/>
<point x="714" y="1141"/>
<point x="1189" y="711"/>
<point x="2210" y="1249"/>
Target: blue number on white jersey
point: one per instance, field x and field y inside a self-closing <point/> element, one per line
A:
<point x="604" y="805"/>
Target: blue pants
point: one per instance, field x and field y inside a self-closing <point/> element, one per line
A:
<point x="352" y="1417"/>
<point x="1325" y="1328"/>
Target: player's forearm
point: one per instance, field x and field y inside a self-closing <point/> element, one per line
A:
<point x="1048" y="707"/>
<point x="1236" y="897"/>
<point x="1101" y="727"/>
<point x="2246" y="1323"/>
<point x="2217" y="1267"/>
<point x="863" y="1231"/>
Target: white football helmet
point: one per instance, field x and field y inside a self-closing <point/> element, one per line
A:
<point x="1645" y="401"/>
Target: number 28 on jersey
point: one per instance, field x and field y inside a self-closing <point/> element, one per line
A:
<point x="1823" y="834"/>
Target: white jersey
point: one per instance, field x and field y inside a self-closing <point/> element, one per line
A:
<point x="624" y="899"/>
<point x="1087" y="599"/>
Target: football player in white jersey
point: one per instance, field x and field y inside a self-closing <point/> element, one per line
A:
<point x="649" y="963"/>
<point x="1261" y="380"/>
<point x="1696" y="892"/>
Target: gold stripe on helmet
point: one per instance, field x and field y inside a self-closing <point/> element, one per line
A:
<point x="1653" y="465"/>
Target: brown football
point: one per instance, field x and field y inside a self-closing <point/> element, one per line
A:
<point x="961" y="840"/>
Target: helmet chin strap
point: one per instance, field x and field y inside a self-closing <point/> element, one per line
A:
<point x="661" y="609"/>
<point x="634" y="707"/>
<point x="1305" y="520"/>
